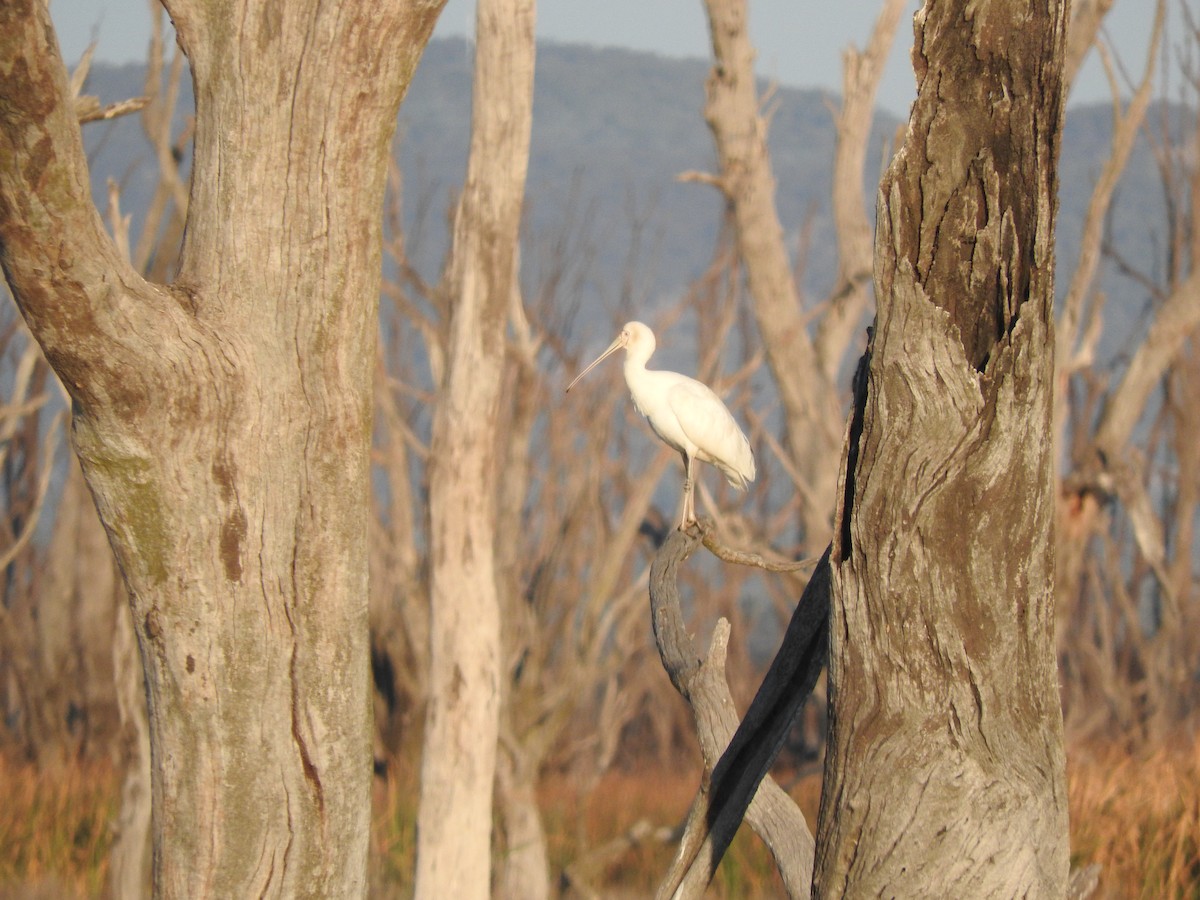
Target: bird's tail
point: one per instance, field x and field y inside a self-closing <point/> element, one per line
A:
<point x="739" y="472"/>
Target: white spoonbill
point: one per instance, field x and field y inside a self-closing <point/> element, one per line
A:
<point x="684" y="413"/>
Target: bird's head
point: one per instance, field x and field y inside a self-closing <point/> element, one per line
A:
<point x="636" y="338"/>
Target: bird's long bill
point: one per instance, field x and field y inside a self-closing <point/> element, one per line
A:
<point x="612" y="348"/>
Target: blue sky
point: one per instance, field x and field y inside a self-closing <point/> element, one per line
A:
<point x="799" y="41"/>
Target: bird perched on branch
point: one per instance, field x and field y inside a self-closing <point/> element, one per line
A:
<point x="684" y="413"/>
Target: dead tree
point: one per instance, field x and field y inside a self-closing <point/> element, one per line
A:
<point x="945" y="770"/>
<point x="738" y="753"/>
<point x="458" y="768"/>
<point x="804" y="367"/>
<point x="223" y="420"/>
<point x="1127" y="629"/>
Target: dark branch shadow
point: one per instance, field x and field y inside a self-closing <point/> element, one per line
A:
<point x="730" y="786"/>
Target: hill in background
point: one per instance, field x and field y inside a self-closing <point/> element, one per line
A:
<point x="613" y="129"/>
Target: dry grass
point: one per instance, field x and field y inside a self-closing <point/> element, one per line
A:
<point x="54" y="829"/>
<point x="393" y="834"/>
<point x="578" y="825"/>
<point x="1137" y="816"/>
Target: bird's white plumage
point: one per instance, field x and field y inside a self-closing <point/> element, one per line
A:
<point x="684" y="413"/>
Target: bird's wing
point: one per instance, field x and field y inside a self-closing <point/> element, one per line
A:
<point x="709" y="425"/>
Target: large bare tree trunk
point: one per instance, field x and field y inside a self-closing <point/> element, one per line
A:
<point x="223" y="421"/>
<point x="945" y="768"/>
<point x="458" y="770"/>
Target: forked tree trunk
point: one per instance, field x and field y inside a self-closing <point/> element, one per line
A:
<point x="458" y="770"/>
<point x="223" y="422"/>
<point x="945" y="769"/>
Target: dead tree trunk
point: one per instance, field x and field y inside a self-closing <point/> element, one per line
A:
<point x="809" y="404"/>
<point x="223" y="421"/>
<point x="458" y="770"/>
<point x="524" y="870"/>
<point x="945" y="767"/>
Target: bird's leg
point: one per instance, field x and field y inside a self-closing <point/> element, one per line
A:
<point x="689" y="502"/>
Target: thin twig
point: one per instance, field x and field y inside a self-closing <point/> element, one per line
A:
<point x="745" y="557"/>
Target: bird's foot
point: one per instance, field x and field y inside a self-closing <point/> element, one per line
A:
<point x="696" y="526"/>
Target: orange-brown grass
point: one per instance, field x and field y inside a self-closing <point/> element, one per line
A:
<point x="1138" y="816"/>
<point x="575" y="825"/>
<point x="393" y="833"/>
<point x="54" y="828"/>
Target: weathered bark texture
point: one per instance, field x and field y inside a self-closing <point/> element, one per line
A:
<point x="738" y="754"/>
<point x="223" y="421"/>
<point x="458" y="770"/>
<point x="945" y="767"/>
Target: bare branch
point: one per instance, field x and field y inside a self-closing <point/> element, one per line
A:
<point x="732" y="110"/>
<point x="68" y="278"/>
<point x="1176" y="320"/>
<point x="861" y="72"/>
<point x="698" y="177"/>
<point x="746" y="558"/>
<point x="1125" y="131"/>
<point x="732" y="785"/>
<point x="88" y="109"/>
<point x="1086" y="18"/>
<point x="10" y="552"/>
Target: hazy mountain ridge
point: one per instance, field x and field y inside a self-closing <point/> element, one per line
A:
<point x="612" y="131"/>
